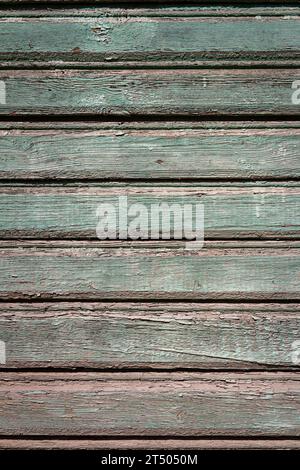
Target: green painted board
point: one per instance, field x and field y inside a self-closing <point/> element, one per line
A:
<point x="120" y="153"/>
<point x="149" y="335"/>
<point x="150" y="92"/>
<point x="152" y="404"/>
<point x="148" y="270"/>
<point x="158" y="36"/>
<point x="71" y="212"/>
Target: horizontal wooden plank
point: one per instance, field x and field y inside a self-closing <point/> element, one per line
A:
<point x="158" y="36"/>
<point x="146" y="444"/>
<point x="158" y="153"/>
<point x="140" y="335"/>
<point x="152" y="404"/>
<point x="71" y="213"/>
<point x="110" y="271"/>
<point x="150" y="92"/>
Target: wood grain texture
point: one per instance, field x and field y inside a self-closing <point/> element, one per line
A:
<point x="144" y="8"/>
<point x="141" y="335"/>
<point x="157" y="36"/>
<point x="150" y="92"/>
<point x="71" y="213"/>
<point x="147" y="444"/>
<point x="99" y="270"/>
<point x="158" y="153"/>
<point x="152" y="404"/>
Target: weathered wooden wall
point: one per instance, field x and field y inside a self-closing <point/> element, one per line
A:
<point x="128" y="344"/>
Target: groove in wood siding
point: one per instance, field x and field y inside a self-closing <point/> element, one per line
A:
<point x="139" y="335"/>
<point x="150" y="92"/>
<point x="110" y="271"/>
<point x="195" y="153"/>
<point x="172" y="404"/>
<point x="70" y="213"/>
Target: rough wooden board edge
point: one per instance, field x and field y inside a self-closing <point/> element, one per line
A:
<point x="167" y="125"/>
<point x="145" y="444"/>
<point x="173" y="189"/>
<point x="107" y="307"/>
<point x="236" y="75"/>
<point x="243" y="128"/>
<point x="72" y="184"/>
<point x="154" y="65"/>
<point x="281" y="246"/>
<point x="71" y="378"/>
<point x="152" y="8"/>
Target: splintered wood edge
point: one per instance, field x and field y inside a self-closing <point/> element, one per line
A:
<point x="144" y="444"/>
<point x="166" y="125"/>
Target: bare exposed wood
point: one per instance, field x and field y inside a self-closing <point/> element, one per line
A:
<point x="129" y="444"/>
<point x="150" y="404"/>
<point x="146" y="125"/>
